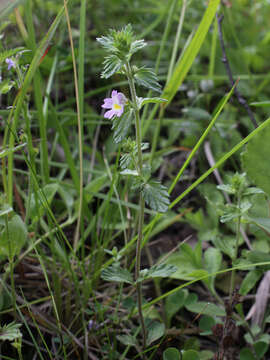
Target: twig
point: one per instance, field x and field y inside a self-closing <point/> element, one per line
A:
<point x="242" y="101"/>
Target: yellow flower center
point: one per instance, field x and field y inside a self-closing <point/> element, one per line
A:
<point x="116" y="107"/>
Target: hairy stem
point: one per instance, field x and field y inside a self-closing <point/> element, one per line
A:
<point x="141" y="201"/>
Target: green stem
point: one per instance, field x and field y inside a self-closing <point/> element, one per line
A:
<point x="141" y="201"/>
<point x="236" y="252"/>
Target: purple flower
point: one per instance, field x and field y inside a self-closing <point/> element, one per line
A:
<point x="11" y="63"/>
<point x="115" y="103"/>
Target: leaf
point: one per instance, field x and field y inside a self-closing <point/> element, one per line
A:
<point x="10" y="332"/>
<point x="226" y="244"/>
<point x="202" y="307"/>
<point x="146" y="77"/>
<point x="250" y="281"/>
<point x="153" y="100"/>
<point x="171" y="354"/>
<point x="8" y="151"/>
<point x="174" y="302"/>
<point x="190" y="355"/>
<point x="112" y="64"/>
<point x="13" y="237"/>
<point x="137" y="45"/>
<point x="6" y="209"/>
<point x="127" y="340"/>
<point x="116" y="273"/>
<point x="161" y="270"/>
<point x="184" y="64"/>
<point x="121" y="125"/>
<point x="255" y="160"/>
<point x="129" y="172"/>
<point x="260" y="103"/>
<point x="259" y="257"/>
<point x="10" y="52"/>
<point x="263" y="223"/>
<point x="213" y="261"/>
<point x="155" y="331"/>
<point x="156" y="196"/>
<point x="246" y="354"/>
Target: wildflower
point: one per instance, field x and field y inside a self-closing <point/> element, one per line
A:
<point x="10" y="63"/>
<point x="115" y="103"/>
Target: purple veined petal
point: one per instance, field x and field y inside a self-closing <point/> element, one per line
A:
<point x="108" y="103"/>
<point x="114" y="93"/>
<point x="121" y="98"/>
<point x="109" y="114"/>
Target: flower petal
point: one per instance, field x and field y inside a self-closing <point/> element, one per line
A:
<point x="108" y="103"/>
<point x="109" y="114"/>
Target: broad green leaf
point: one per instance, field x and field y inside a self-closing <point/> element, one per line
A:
<point x="258" y="257"/>
<point x="226" y="244"/>
<point x="155" y="331"/>
<point x="162" y="270"/>
<point x="7" y="6"/>
<point x="205" y="324"/>
<point x="116" y="273"/>
<point x="156" y="196"/>
<point x="121" y="125"/>
<point x="202" y="307"/>
<point x="10" y="332"/>
<point x="250" y="281"/>
<point x="147" y="78"/>
<point x="128" y="340"/>
<point x="255" y="160"/>
<point x="190" y="355"/>
<point x="185" y="61"/>
<point x="171" y="354"/>
<point x="174" y="302"/>
<point x="13" y="237"/>
<point x="246" y="354"/>
<point x="8" y="151"/>
<point x="261" y="348"/>
<point x="263" y="223"/>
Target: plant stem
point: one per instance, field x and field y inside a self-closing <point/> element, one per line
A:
<point x="236" y="252"/>
<point x="141" y="201"/>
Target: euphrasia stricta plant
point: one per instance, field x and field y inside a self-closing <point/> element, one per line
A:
<point x="124" y="113"/>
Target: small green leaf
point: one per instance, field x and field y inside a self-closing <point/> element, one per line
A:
<point x="202" y="307"/>
<point x="171" y="354"/>
<point x="112" y="65"/>
<point x="8" y="151"/>
<point x="156" y="196"/>
<point x="10" y="332"/>
<point x="174" y="302"/>
<point x="146" y="77"/>
<point x="258" y="257"/>
<point x="127" y="340"/>
<point x="13" y="237"/>
<point x="121" y="125"/>
<point x="161" y="270"/>
<point x="6" y="86"/>
<point x="155" y="331"/>
<point x="129" y="172"/>
<point x="116" y="273"/>
<point x="246" y="354"/>
<point x="190" y="355"/>
<point x="154" y="100"/>
<point x="260" y="103"/>
<point x="250" y="281"/>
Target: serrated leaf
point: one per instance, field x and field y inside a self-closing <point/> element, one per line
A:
<point x="161" y="270"/>
<point x="146" y="77"/>
<point x="155" y="331"/>
<point x="137" y="45"/>
<point x="112" y="64"/>
<point x="153" y="100"/>
<point x="156" y="196"/>
<point x="129" y="172"/>
<point x="255" y="160"/>
<point x="8" y="53"/>
<point x="121" y="125"/>
<point x="116" y="273"/>
<point x="10" y="332"/>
